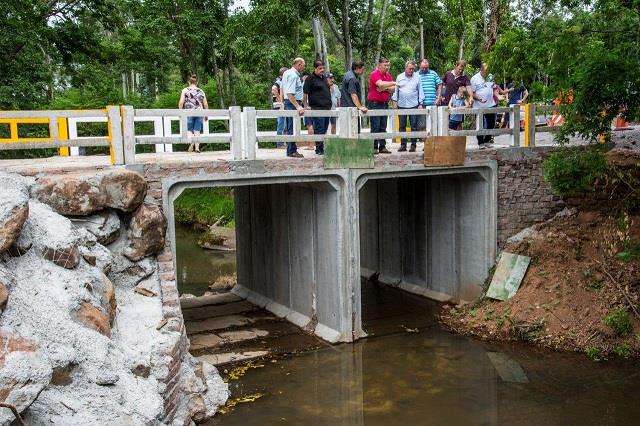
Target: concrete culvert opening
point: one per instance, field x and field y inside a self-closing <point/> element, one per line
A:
<point x="289" y="260"/>
<point x="428" y="232"/>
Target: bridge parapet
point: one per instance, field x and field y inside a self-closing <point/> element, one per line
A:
<point x="241" y="129"/>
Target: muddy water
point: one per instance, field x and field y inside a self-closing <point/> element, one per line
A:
<point x="412" y="372"/>
<point x="197" y="267"/>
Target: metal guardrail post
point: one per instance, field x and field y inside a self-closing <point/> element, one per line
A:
<point x="251" y="125"/>
<point x="530" y="125"/>
<point x="114" y="128"/>
<point x="236" y="130"/>
<point x="514" y="124"/>
<point x="128" y="134"/>
<point x="63" y="135"/>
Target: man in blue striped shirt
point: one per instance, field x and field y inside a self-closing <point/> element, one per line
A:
<point x="431" y="87"/>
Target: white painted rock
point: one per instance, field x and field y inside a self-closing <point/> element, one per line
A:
<point x="146" y="232"/>
<point x="23" y="374"/>
<point x="80" y="194"/>
<point x="105" y="225"/>
<point x="14" y="209"/>
<point x="53" y="236"/>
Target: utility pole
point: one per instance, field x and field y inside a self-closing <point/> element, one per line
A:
<point x="421" y="39"/>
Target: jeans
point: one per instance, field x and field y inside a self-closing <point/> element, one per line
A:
<point x="414" y="121"/>
<point x="489" y="122"/>
<point x="378" y="125"/>
<point x="291" y="146"/>
<point x="280" y="129"/>
<point x="320" y="127"/>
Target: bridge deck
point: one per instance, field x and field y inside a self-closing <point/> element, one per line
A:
<point x="35" y="165"/>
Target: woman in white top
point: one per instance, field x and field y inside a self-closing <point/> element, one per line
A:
<point x="192" y="97"/>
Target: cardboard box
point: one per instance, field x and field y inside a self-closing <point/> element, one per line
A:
<point x="444" y="150"/>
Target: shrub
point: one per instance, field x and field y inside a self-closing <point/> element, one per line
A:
<point x="593" y="353"/>
<point x="623" y="350"/>
<point x="620" y="321"/>
<point x="570" y="171"/>
<point x="204" y="206"/>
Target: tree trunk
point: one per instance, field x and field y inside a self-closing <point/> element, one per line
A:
<point x="383" y="12"/>
<point x="317" y="39"/>
<point x="491" y="33"/>
<point x="232" y="80"/>
<point x="462" y="23"/>
<point x="216" y="77"/>
<point x="325" y="56"/>
<point x="366" y="32"/>
<point x="346" y="33"/>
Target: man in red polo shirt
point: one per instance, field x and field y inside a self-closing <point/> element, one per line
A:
<point x="381" y="87"/>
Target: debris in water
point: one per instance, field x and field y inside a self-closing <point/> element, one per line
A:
<point x="508" y="276"/>
<point x="508" y="369"/>
<point x="239" y="400"/>
<point x="409" y="330"/>
<point x="237" y="372"/>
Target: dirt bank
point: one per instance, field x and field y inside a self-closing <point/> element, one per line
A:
<point x="581" y="291"/>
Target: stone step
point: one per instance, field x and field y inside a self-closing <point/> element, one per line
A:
<point x="215" y="299"/>
<point x="236" y="336"/>
<point x="213" y="311"/>
<point x="226" y="358"/>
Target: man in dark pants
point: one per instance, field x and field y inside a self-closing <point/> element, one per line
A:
<point x="292" y="91"/>
<point x="317" y="96"/>
<point x="351" y="89"/>
<point x="381" y="86"/>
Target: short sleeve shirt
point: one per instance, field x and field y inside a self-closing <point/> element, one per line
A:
<point x="430" y="82"/>
<point x="451" y="84"/>
<point x="274" y="99"/>
<point x="317" y="90"/>
<point x="374" y="94"/>
<point x="517" y="94"/>
<point x="350" y="86"/>
<point x="335" y="95"/>
<point x="484" y="90"/>
<point x="291" y="83"/>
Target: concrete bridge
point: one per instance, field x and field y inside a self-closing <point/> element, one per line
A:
<point x="306" y="235"/>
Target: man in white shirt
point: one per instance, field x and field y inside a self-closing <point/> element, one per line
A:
<point x="483" y="96"/>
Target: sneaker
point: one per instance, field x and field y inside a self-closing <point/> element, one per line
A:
<point x="412" y="149"/>
<point x="320" y="153"/>
<point x="402" y="149"/>
<point x="385" y="151"/>
<point x="295" y="155"/>
<point x="482" y="146"/>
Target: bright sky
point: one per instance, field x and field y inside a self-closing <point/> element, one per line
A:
<point x="241" y="3"/>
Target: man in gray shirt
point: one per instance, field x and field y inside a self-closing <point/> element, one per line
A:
<point x="292" y="94"/>
<point x="408" y="94"/>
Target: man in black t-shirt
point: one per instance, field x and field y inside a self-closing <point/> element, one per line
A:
<point x="317" y="96"/>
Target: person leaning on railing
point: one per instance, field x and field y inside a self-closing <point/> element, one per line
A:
<point x="292" y="91"/>
<point x="193" y="97"/>
<point x="408" y="94"/>
<point x="381" y="86"/>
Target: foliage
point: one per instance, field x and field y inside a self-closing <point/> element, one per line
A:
<point x="205" y="206"/>
<point x="630" y="251"/>
<point x="593" y="352"/>
<point x="623" y="350"/>
<point x="620" y="321"/>
<point x="570" y="171"/>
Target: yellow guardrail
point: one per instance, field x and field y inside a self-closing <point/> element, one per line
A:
<point x="14" y="136"/>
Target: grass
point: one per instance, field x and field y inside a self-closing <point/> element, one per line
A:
<point x="593" y="352"/>
<point x="205" y="206"/>
<point x="619" y="321"/>
<point x="622" y="350"/>
<point x="630" y="251"/>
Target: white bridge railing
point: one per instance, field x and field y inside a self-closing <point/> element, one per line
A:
<point x="240" y="127"/>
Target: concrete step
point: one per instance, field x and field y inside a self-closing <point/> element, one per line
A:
<point x="214" y="311"/>
<point x="226" y="358"/>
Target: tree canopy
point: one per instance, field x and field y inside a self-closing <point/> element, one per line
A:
<point x="88" y="53"/>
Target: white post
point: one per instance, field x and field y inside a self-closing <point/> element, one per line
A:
<point x="514" y="125"/>
<point x="128" y="134"/>
<point x="532" y="125"/>
<point x="235" y="128"/>
<point x="115" y="129"/>
<point x="73" y="134"/>
<point x="433" y="120"/>
<point x="185" y="136"/>
<point x="443" y="121"/>
<point x="251" y="127"/>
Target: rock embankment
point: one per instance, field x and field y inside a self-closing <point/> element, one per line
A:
<point x="81" y="318"/>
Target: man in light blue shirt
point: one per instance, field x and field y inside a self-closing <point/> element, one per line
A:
<point x="292" y="94"/>
<point x="408" y="95"/>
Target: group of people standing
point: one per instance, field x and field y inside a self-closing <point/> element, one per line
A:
<point x="415" y="88"/>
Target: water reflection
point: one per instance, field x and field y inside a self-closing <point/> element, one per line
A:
<point x="434" y="377"/>
<point x="198" y="268"/>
